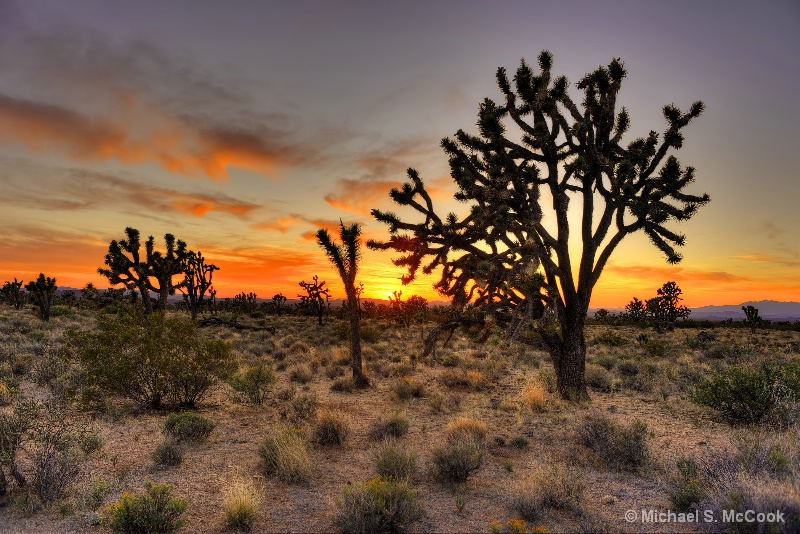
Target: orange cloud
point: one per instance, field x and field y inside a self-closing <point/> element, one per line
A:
<point x="358" y="196"/>
<point x="281" y="224"/>
<point x="769" y="258"/>
<point x="138" y="133"/>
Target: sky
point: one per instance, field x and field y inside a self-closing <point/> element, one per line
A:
<point x="242" y="127"/>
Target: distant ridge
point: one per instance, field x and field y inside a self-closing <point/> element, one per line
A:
<point x="768" y="309"/>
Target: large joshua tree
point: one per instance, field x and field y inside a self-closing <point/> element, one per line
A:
<point x="165" y="265"/>
<point x="503" y="257"/>
<point x="42" y="290"/>
<point x="345" y="258"/>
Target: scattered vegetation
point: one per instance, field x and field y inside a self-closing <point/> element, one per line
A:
<point x="187" y="426"/>
<point x="241" y="504"/>
<point x="619" y="446"/>
<point x="286" y="456"/>
<point x="379" y="505"/>
<point x="153" y="512"/>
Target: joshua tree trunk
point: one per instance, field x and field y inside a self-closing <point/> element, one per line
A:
<point x="359" y="379"/>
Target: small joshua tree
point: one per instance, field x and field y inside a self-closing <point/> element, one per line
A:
<point x="11" y="293"/>
<point x="278" y="303"/>
<point x="164" y="266"/>
<point x="127" y="267"/>
<point x="197" y="280"/>
<point x="665" y="308"/>
<point x="635" y="310"/>
<point x="42" y="292"/>
<point x="345" y="257"/>
<point x="316" y="297"/>
<point x="751" y="317"/>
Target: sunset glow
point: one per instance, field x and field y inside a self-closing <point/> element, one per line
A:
<point x="244" y="138"/>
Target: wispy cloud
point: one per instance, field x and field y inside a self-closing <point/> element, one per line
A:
<point x="664" y="274"/>
<point x="769" y="258"/>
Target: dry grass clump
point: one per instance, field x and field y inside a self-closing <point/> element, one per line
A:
<point x="302" y="373"/>
<point x="168" y="453"/>
<point x="392" y="461"/>
<point x="598" y="377"/>
<point x="379" y="505"/>
<point x="406" y="387"/>
<point x="286" y="455"/>
<point x="552" y="487"/>
<point x="459" y="377"/>
<point x="457" y="460"/>
<point x="341" y="356"/>
<point x="332" y="428"/>
<point x="392" y="426"/>
<point x="533" y="397"/>
<point x="303" y="407"/>
<point x="241" y="503"/>
<point x="298" y="347"/>
<point x="465" y="428"/>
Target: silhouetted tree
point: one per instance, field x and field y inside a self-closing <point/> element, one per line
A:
<point x="751" y="317"/>
<point x="68" y="298"/>
<point x="665" y="308"/>
<point x="278" y="303"/>
<point x="345" y="258"/>
<point x="127" y="267"/>
<point x="501" y="256"/>
<point x="197" y="280"/>
<point x="89" y="296"/>
<point x="635" y="310"/>
<point x="164" y="266"/>
<point x="11" y="293"/>
<point x="42" y="291"/>
<point x="316" y="297"/>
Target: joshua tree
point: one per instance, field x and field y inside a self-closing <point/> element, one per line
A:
<point x="163" y="267"/>
<point x="635" y="310"/>
<point x="278" y="303"/>
<point x="126" y="267"/>
<point x="501" y="256"/>
<point x="197" y="280"/>
<point x="751" y="317"/>
<point x="89" y="296"/>
<point x="42" y="292"/>
<point x="316" y="297"/>
<point x="345" y="258"/>
<point x="665" y="308"/>
<point x="11" y="293"/>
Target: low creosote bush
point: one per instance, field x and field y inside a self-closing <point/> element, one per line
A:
<point x="153" y="512"/>
<point x="554" y="487"/>
<point x="687" y="489"/>
<point x="621" y="447"/>
<point x="746" y="395"/>
<point x="168" y="454"/>
<point x="286" y="455"/>
<point x="186" y="426"/>
<point x="379" y="505"/>
<point x="151" y="360"/>
<point x="406" y="387"/>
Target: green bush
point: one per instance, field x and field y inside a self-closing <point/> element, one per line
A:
<point x="151" y="360"/>
<point x="254" y="383"/>
<point x="153" y="512"/>
<point x="169" y="453"/>
<point x="187" y="426"/>
<point x="611" y="339"/>
<point x="380" y="505"/>
<point x="393" y="426"/>
<point x="746" y="395"/>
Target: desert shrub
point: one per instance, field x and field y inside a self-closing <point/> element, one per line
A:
<point x="392" y="461"/>
<point x="241" y="501"/>
<point x="286" y="456"/>
<point x="299" y="347"/>
<point x="598" y="377"/>
<point x="656" y="348"/>
<point x="610" y="338"/>
<point x="746" y="395"/>
<point x="378" y="506"/>
<point x="621" y="447"/>
<point x="153" y="512"/>
<point x="187" y="426"/>
<point x="628" y="368"/>
<point x="301" y="373"/>
<point x="369" y="333"/>
<point x="344" y="384"/>
<point x="7" y="391"/>
<point x="604" y="360"/>
<point x="168" y="453"/>
<point x="98" y="489"/>
<point x="519" y="442"/>
<point x="151" y="360"/>
<point x="392" y="426"/>
<point x="687" y="489"/>
<point x="254" y="383"/>
<point x="91" y="442"/>
<point x="554" y="487"/>
<point x="465" y="429"/>
<point x="436" y="402"/>
<point x="731" y="352"/>
<point x="456" y="461"/>
<point x="332" y="428"/>
<point x="304" y="406"/>
<point x="406" y="387"/>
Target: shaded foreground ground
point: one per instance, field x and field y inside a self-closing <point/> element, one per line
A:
<point x="509" y="388"/>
